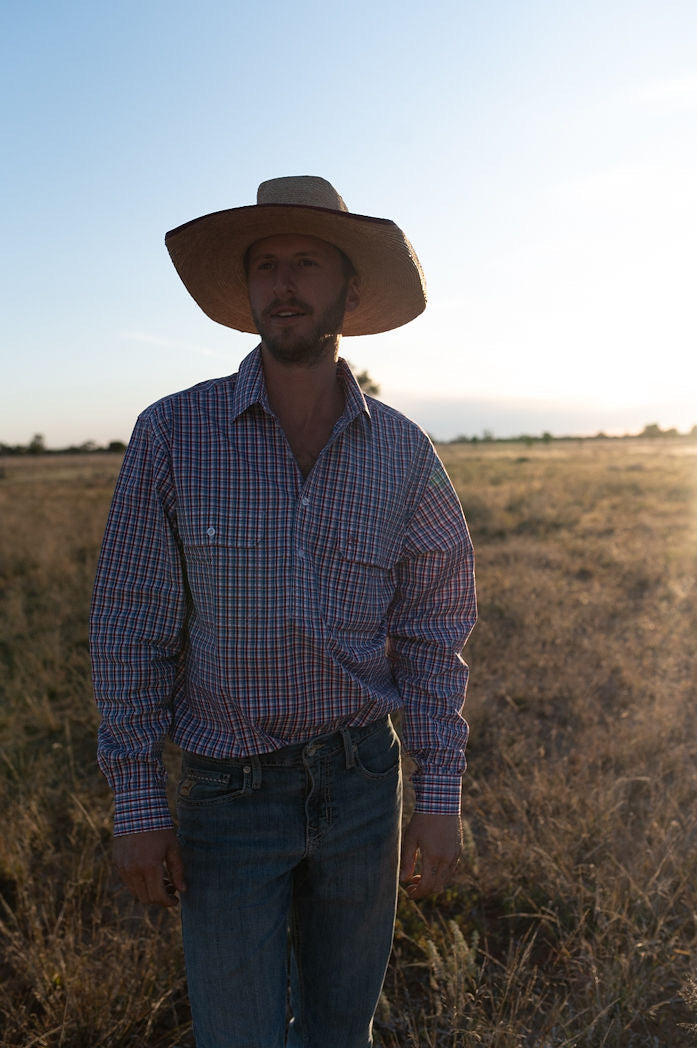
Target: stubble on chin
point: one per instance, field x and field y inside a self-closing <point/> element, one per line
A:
<point x="305" y="351"/>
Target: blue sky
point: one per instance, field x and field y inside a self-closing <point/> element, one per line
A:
<point x="541" y="157"/>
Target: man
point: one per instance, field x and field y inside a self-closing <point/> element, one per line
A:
<point x="285" y="564"/>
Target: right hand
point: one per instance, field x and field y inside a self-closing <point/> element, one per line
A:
<point x="150" y="865"/>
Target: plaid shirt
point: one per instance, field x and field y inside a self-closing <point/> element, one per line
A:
<point x="239" y="607"/>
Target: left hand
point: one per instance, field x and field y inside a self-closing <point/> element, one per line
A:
<point x="438" y="840"/>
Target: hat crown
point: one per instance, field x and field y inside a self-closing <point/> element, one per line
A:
<point x="301" y="191"/>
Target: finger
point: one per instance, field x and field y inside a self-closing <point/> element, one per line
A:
<point x="423" y="884"/>
<point x="156" y="887"/>
<point x="147" y="885"/>
<point x="137" y="885"/>
<point x="175" y="868"/>
<point x="408" y="860"/>
<point x="434" y="877"/>
<point x="412" y="887"/>
<point x="133" y="883"/>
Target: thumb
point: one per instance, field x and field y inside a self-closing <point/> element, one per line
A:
<point x="408" y="859"/>
<point x="175" y="867"/>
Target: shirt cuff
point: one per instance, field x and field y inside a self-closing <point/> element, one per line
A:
<point x="138" y="812"/>
<point x="437" y="794"/>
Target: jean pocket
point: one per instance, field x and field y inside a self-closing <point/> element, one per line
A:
<point x="377" y="755"/>
<point x="201" y="786"/>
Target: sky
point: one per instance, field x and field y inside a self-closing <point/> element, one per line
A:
<point x="540" y="156"/>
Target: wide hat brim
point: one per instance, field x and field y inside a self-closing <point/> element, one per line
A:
<point x="209" y="252"/>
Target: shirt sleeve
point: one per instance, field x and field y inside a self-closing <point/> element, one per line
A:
<point x="136" y="629"/>
<point x="431" y="617"/>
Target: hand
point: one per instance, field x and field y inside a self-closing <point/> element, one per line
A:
<point x="438" y="840"/>
<point x="150" y="865"/>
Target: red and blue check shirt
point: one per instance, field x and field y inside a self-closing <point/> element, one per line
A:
<point x="239" y="607"/>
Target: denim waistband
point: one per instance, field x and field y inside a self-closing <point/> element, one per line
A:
<point x="344" y="740"/>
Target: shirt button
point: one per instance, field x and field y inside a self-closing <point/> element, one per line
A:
<point x="301" y="553"/>
<point x="304" y="501"/>
<point x="210" y="532"/>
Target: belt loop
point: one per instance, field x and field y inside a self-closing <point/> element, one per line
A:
<point x="349" y="747"/>
<point x="256" y="772"/>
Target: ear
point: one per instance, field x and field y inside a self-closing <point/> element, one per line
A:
<point x="353" y="295"/>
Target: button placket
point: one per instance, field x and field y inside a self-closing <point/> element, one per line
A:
<point x="303" y="507"/>
<point x="302" y="565"/>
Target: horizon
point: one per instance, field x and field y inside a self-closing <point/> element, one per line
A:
<point x="486" y="434"/>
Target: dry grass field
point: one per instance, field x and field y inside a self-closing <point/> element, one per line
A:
<point x="574" y="921"/>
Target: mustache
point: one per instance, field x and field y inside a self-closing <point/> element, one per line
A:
<point x="287" y="303"/>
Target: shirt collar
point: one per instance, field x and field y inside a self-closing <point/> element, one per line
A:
<point x="250" y="388"/>
<point x="355" y="404"/>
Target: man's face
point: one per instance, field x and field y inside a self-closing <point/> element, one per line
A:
<point x="298" y="294"/>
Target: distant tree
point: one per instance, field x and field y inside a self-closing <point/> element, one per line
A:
<point x="547" y="437"/>
<point x="37" y="444"/>
<point x="116" y="445"/>
<point x="652" y="430"/>
<point x="369" y="386"/>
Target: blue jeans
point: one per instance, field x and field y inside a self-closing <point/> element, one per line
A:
<point x="291" y="862"/>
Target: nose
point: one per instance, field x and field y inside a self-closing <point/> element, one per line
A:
<point x="283" y="278"/>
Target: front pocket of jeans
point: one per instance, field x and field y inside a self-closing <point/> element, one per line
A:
<point x="377" y="756"/>
<point x="201" y="787"/>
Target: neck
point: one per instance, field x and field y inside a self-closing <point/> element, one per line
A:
<point x="307" y="401"/>
<point x="301" y="393"/>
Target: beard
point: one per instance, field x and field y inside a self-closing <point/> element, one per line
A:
<point x="307" y="349"/>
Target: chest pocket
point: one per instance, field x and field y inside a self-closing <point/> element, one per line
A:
<point x="362" y="587"/>
<point x="228" y="567"/>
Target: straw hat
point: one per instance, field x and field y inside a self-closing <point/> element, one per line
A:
<point x="208" y="254"/>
